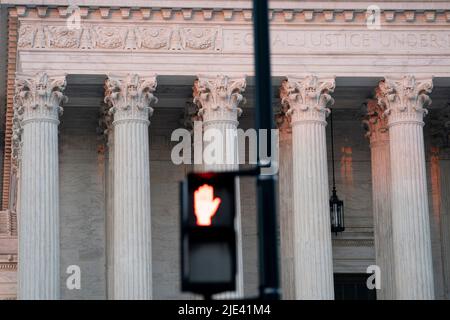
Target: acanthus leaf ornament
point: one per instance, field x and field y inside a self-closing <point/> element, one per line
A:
<point x="375" y="121"/>
<point x="282" y="118"/>
<point x="218" y="98"/>
<point x="130" y="97"/>
<point x="307" y="98"/>
<point x="37" y="98"/>
<point x="40" y="96"/>
<point x="405" y="98"/>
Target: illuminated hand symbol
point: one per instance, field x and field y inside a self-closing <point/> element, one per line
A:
<point x="204" y="205"/>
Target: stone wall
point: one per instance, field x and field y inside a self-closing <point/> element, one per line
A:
<point x="82" y="209"/>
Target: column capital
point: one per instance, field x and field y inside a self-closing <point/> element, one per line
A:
<point x="307" y="98"/>
<point x="405" y="98"/>
<point x="283" y="121"/>
<point x="375" y="122"/>
<point x="130" y="97"/>
<point x="105" y="121"/>
<point x="38" y="97"/>
<point x="218" y="98"/>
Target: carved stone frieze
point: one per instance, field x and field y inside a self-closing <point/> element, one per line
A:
<point x="61" y="37"/>
<point x="119" y="37"/>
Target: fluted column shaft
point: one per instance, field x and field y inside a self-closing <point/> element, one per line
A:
<point x="37" y="112"/>
<point x="218" y="99"/>
<point x="130" y="98"/>
<point x="307" y="99"/>
<point x="381" y="197"/>
<point x="286" y="208"/>
<point x="404" y="99"/>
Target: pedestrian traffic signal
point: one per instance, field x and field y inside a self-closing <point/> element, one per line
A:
<point x="208" y="236"/>
<point x="205" y="207"/>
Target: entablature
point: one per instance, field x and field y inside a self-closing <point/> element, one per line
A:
<point x="216" y="38"/>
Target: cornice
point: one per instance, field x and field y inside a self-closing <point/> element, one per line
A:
<point x="405" y="14"/>
<point x="247" y="4"/>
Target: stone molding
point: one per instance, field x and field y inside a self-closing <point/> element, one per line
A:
<point x="130" y="97"/>
<point x="375" y="122"/>
<point x="8" y="266"/>
<point x="285" y="15"/>
<point x="8" y="166"/>
<point x="405" y="98"/>
<point x="307" y="98"/>
<point x="165" y="40"/>
<point x="218" y="98"/>
<point x="8" y="223"/>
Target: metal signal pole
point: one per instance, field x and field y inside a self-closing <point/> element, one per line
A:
<point x="267" y="205"/>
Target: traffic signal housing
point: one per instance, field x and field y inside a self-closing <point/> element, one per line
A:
<point x="208" y="235"/>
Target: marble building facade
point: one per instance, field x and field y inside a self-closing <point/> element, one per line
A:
<point x="88" y="108"/>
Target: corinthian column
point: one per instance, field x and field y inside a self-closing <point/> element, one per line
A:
<point x="130" y="98"/>
<point x="218" y="100"/>
<point x="286" y="204"/>
<point x="37" y="109"/>
<point x="377" y="132"/>
<point x="307" y="99"/>
<point x="405" y="99"/>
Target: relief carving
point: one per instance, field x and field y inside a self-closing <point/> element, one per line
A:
<point x="198" y="38"/>
<point x="27" y="34"/>
<point x="120" y="38"/>
<point x="109" y="37"/>
<point x="62" y="37"/>
<point x="154" y="37"/>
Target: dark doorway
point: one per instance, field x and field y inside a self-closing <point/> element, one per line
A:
<point x="352" y="286"/>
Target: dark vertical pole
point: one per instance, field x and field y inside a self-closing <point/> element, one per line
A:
<point x="267" y="212"/>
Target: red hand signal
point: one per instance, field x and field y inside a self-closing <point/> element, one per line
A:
<point x="205" y="206"/>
